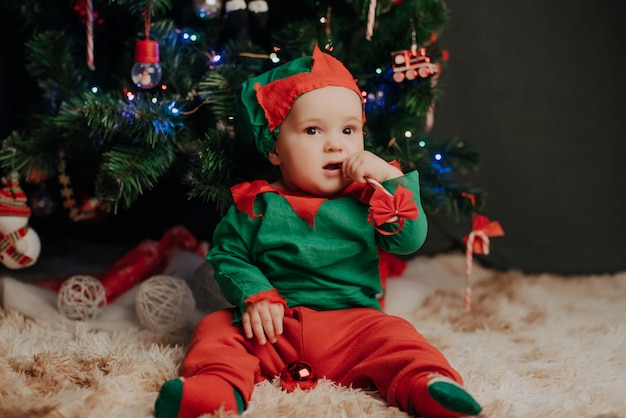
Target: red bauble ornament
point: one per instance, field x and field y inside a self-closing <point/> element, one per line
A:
<point x="297" y="375"/>
<point x="36" y="176"/>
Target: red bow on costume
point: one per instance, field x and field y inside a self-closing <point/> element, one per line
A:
<point x="482" y="228"/>
<point x="388" y="208"/>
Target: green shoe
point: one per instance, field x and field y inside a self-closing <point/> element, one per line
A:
<point x="167" y="403"/>
<point x="452" y="396"/>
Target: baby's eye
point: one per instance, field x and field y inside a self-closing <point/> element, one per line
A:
<point x="311" y="130"/>
<point x="348" y="131"/>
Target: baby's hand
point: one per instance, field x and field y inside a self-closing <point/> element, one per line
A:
<point x="364" y="164"/>
<point x="263" y="320"/>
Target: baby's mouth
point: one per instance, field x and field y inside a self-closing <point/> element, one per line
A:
<point x="333" y="166"/>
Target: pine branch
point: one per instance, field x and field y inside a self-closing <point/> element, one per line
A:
<point x="56" y="73"/>
<point x="155" y="7"/>
<point x="23" y="153"/>
<point x="217" y="94"/>
<point x="441" y="164"/>
<point x="222" y="161"/>
<point x="185" y="62"/>
<point x="129" y="171"/>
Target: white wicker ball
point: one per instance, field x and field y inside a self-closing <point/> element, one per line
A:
<point x="81" y="297"/>
<point x="164" y="303"/>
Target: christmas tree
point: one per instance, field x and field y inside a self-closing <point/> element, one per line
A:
<point x="134" y="92"/>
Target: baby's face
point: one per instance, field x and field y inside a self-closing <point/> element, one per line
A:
<point x="323" y="127"/>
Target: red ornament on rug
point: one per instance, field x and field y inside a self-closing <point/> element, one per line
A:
<point x="297" y="375"/>
<point x="147" y="259"/>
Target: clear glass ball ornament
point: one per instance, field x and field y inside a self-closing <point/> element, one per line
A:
<point x="207" y="9"/>
<point x="146" y="72"/>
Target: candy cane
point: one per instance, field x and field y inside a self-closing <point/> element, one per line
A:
<point x="430" y="115"/>
<point x="90" y="62"/>
<point x="371" y="16"/>
<point x="468" y="263"/>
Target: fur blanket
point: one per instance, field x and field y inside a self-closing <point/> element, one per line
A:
<point x="533" y="346"/>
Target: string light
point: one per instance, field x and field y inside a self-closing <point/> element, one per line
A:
<point x="215" y="58"/>
<point x="189" y="36"/>
<point x="437" y="163"/>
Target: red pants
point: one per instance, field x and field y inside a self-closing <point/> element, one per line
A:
<point x="361" y="347"/>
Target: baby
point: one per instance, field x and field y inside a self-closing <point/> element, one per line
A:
<point x="298" y="258"/>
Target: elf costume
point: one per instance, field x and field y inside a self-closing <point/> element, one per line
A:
<point x="318" y="257"/>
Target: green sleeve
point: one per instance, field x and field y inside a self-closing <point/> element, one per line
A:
<point x="413" y="234"/>
<point x="232" y="260"/>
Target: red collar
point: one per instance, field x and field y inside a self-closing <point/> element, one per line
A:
<point x="304" y="205"/>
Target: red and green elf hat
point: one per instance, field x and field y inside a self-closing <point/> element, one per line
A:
<point x="268" y="97"/>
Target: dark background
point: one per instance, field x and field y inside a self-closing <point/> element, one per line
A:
<point x="537" y="87"/>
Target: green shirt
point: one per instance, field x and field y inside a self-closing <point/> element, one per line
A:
<point x="332" y="264"/>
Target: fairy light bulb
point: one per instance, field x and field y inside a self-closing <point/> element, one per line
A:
<point x="146" y="73"/>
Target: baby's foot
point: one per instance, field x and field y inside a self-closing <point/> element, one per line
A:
<point x="453" y="397"/>
<point x="170" y="396"/>
<point x="202" y="394"/>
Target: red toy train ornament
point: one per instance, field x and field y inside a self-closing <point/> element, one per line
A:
<point x="412" y="63"/>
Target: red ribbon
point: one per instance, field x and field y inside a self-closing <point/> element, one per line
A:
<point x="477" y="242"/>
<point x="483" y="227"/>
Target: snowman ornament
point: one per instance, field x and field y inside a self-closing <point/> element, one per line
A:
<point x="19" y="244"/>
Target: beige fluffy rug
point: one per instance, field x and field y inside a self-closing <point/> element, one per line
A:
<point x="533" y="346"/>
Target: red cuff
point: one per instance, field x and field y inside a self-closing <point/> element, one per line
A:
<point x="270" y="295"/>
<point x="396" y="164"/>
